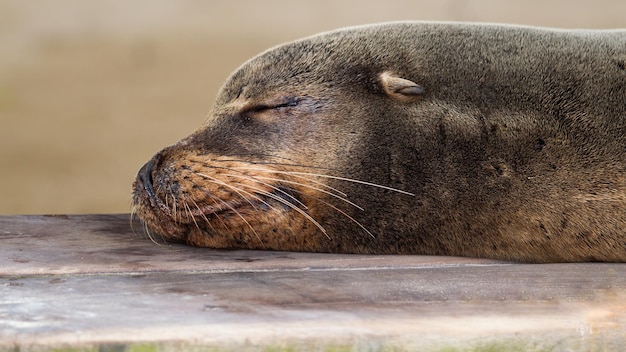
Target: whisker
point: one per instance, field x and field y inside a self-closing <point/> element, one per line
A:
<point x="314" y="188"/>
<point x="234" y="211"/>
<point x="200" y="211"/>
<point x="149" y="234"/>
<point x="292" y="206"/>
<point x="255" y="196"/>
<point x="312" y="174"/>
<point x="246" y="221"/>
<point x="298" y="176"/>
<point x="216" y="200"/>
<point x="342" y="212"/>
<point x="349" y="217"/>
<point x="173" y="208"/>
<point x="190" y="214"/>
<point x="253" y="162"/>
<point x="305" y="176"/>
<point x="236" y="190"/>
<point x="301" y="175"/>
<point x="146" y="229"/>
<point x="206" y="220"/>
<point x="315" y="182"/>
<point x="133" y="211"/>
<point x="279" y="199"/>
<point x="158" y="188"/>
<point x="277" y="189"/>
<point x="239" y="192"/>
<point x="349" y="180"/>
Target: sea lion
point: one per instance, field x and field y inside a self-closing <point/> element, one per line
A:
<point x="478" y="140"/>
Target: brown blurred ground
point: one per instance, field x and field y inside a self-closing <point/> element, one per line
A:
<point x="89" y="90"/>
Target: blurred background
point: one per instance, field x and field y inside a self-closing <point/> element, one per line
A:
<point x="90" y="89"/>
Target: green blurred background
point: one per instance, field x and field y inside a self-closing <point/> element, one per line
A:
<point x="90" y="89"/>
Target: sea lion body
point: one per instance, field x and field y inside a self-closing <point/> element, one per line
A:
<point x="489" y="141"/>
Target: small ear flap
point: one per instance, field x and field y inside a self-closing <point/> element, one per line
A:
<point x="399" y="88"/>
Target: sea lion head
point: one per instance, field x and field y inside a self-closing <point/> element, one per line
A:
<point x="288" y="157"/>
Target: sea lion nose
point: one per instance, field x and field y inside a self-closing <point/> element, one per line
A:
<point x="145" y="175"/>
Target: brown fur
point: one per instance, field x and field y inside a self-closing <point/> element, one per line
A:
<point x="510" y="140"/>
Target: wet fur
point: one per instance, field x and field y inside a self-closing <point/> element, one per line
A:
<point x="511" y="147"/>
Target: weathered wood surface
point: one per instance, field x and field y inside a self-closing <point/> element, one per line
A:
<point x="88" y="281"/>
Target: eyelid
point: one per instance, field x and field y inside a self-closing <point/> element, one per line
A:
<point x="286" y="103"/>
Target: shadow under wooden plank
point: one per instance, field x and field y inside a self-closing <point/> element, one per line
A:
<point x="88" y="281"/>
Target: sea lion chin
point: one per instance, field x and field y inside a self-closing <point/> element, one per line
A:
<point x="490" y="141"/>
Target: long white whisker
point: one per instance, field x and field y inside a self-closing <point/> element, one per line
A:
<point x="216" y="199"/>
<point x="133" y="211"/>
<point x="256" y="196"/>
<point x="291" y="206"/>
<point x="147" y="230"/>
<point x="317" y="183"/>
<point x="234" y="211"/>
<point x="283" y="201"/>
<point x="274" y="163"/>
<point x="355" y="181"/>
<point x="349" y="217"/>
<point x="255" y="178"/>
<point x="168" y="207"/>
<point x="190" y="214"/>
<point x="343" y="212"/>
<point x="235" y="189"/>
<point x="174" y="207"/>
<point x="200" y="211"/>
<point x="291" y="173"/>
<point x="314" y="188"/>
<point x="239" y="192"/>
<point x="282" y="172"/>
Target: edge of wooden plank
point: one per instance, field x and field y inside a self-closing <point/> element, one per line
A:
<point x="98" y="244"/>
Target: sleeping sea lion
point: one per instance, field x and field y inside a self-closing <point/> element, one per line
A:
<point x="479" y="140"/>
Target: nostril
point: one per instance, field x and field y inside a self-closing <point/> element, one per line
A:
<point x="145" y="175"/>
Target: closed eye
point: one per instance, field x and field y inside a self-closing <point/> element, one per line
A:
<point x="288" y="103"/>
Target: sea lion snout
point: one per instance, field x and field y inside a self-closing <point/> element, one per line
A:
<point x="153" y="177"/>
<point x="144" y="177"/>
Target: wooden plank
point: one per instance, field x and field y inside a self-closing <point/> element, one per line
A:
<point x="87" y="281"/>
